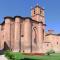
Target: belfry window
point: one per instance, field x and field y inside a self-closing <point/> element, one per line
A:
<point x="34" y="11"/>
<point x="40" y="11"/>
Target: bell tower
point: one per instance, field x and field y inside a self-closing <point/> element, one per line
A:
<point x="37" y="14"/>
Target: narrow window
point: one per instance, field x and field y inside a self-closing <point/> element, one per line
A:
<point x="34" y="11"/>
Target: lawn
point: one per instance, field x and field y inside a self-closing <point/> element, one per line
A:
<point x="20" y="56"/>
<point x="51" y="57"/>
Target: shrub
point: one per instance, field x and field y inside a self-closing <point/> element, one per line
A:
<point x="9" y="54"/>
<point x="50" y="52"/>
<point x="13" y="55"/>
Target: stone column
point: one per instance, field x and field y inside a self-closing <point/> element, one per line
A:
<point x="27" y="36"/>
<point x="17" y="34"/>
<point x="40" y="37"/>
<point x="7" y="35"/>
<point x="12" y="34"/>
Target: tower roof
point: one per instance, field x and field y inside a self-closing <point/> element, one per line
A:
<point x="37" y="5"/>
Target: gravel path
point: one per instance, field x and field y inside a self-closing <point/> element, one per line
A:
<point x="2" y="57"/>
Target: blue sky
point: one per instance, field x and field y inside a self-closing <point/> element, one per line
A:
<point x="23" y="8"/>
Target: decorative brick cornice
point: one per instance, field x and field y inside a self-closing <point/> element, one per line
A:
<point x="37" y="14"/>
<point x="8" y="17"/>
<point x="23" y="18"/>
<point x="36" y="21"/>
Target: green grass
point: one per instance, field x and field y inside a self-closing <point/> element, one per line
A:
<point x="19" y="56"/>
<point x="51" y="57"/>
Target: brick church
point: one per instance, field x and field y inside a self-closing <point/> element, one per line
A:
<point x="27" y="34"/>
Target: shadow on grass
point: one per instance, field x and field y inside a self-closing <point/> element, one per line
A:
<point x="28" y="59"/>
